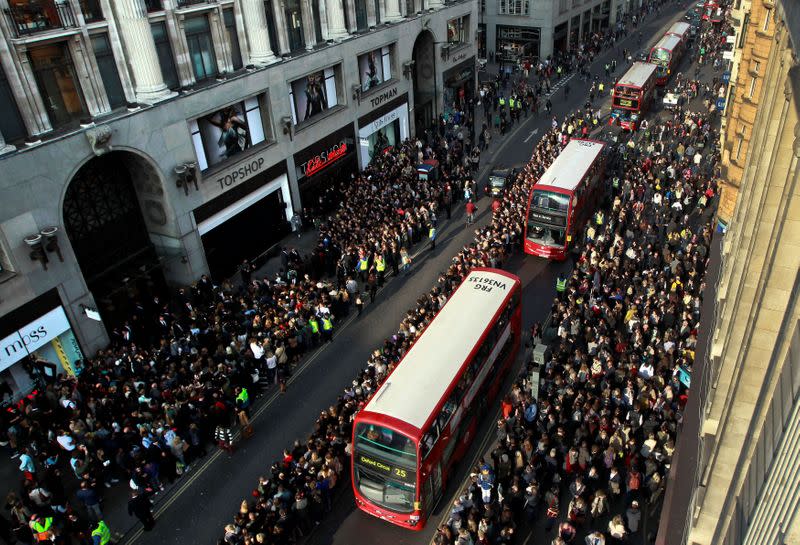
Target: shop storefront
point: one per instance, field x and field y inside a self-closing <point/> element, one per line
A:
<point x="459" y="84"/>
<point x="382" y="129"/>
<point x="249" y="218"/>
<point x="322" y="167"/>
<point x="516" y="45"/>
<point x="37" y="343"/>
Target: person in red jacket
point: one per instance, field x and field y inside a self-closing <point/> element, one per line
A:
<point x="471" y="208"/>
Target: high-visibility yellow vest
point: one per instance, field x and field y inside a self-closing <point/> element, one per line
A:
<point x="601" y="87"/>
<point x="103" y="531"/>
<point x="502" y="101"/>
<point x="314" y="326"/>
<point x="561" y="284"/>
<point x="42" y="531"/>
<point x="362" y="264"/>
<point x="326" y="323"/>
<point x="243" y="397"/>
<point x="432" y="232"/>
<point x="511" y="103"/>
<point x="380" y="264"/>
<point x="599" y="218"/>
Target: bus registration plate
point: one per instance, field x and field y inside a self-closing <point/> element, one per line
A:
<point x="625" y="102"/>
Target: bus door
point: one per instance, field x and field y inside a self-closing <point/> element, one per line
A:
<point x="432" y="489"/>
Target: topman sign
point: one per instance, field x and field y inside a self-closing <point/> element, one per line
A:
<point x="385" y="96"/>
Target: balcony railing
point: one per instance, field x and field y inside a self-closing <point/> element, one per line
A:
<point x="187" y="3"/>
<point x="35" y="16"/>
<point x="39" y="16"/>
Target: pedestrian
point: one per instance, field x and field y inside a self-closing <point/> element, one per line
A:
<point x="139" y="506"/>
<point x="470" y="209"/>
<point x="432" y="235"/>
<point x="405" y="259"/>
<point x="360" y="302"/>
<point x="101" y="534"/>
<point x="561" y="286"/>
<point x="88" y="496"/>
<point x="633" y="516"/>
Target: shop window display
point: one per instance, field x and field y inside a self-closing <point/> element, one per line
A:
<point x="228" y="131"/>
<point x="312" y="95"/>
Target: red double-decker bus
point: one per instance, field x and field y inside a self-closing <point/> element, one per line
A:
<point x="633" y="95"/>
<point x="712" y="12"/>
<point x="681" y="30"/>
<point x="564" y="198"/>
<point x="666" y="55"/>
<point x="423" y="417"/>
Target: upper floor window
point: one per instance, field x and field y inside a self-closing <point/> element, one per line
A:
<point x="11" y="125"/>
<point x="294" y="25"/>
<point x="166" y="60"/>
<point x="767" y="17"/>
<point x="513" y="7"/>
<point x="201" y="47"/>
<point x="375" y="67"/>
<point x="231" y="130"/>
<point x="313" y="94"/>
<point x="108" y="70"/>
<point x="233" y="38"/>
<point x="58" y="83"/>
<point x="458" y="30"/>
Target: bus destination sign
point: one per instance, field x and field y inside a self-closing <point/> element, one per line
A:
<point x="403" y="474"/>
<point x="561" y="221"/>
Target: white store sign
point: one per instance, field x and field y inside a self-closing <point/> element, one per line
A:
<point x="32" y="337"/>
<point x="400" y="113"/>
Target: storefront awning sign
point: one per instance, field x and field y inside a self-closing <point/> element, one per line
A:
<point x="33" y="336"/>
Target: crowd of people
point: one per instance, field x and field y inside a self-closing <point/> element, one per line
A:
<point x="586" y="451"/>
<point x="181" y="375"/>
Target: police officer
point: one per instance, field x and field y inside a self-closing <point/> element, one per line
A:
<point x="561" y="286"/>
<point x="101" y="535"/>
<point x="327" y="328"/>
<point x="42" y="529"/>
<point x="314" y="325"/>
<point x="380" y="266"/>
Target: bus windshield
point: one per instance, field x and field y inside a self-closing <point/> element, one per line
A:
<point x="660" y="56"/>
<point x="385" y="467"/>
<point x="550" y="200"/>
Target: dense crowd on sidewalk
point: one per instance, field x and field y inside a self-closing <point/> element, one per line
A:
<point x="183" y="373"/>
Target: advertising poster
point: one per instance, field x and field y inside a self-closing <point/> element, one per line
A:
<point x="224" y="133"/>
<point x="310" y="96"/>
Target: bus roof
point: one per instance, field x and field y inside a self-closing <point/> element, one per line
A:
<point x="668" y="42"/>
<point x="571" y="165"/>
<point x="419" y="382"/>
<point x="638" y="74"/>
<point x="679" y="29"/>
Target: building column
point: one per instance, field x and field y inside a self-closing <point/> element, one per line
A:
<point x="255" y="26"/>
<point x="309" y="29"/>
<point x="281" y="26"/>
<point x="372" y="18"/>
<point x="435" y="4"/>
<point x="392" y="12"/>
<point x="134" y="28"/>
<point x="350" y="6"/>
<point x="5" y="148"/>
<point x="334" y="11"/>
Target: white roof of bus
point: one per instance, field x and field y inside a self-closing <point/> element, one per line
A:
<point x="679" y="28"/>
<point x="637" y="74"/>
<point x="669" y="42"/>
<point x="419" y="382"/>
<point x="571" y="164"/>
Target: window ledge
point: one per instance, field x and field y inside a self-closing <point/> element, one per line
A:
<point x="5" y="276"/>
<point x="381" y="86"/>
<point x="303" y="125"/>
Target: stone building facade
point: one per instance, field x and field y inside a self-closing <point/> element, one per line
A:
<point x="753" y="42"/>
<point x="737" y="455"/>
<point x="148" y="142"/>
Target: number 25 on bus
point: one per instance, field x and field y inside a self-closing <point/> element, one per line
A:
<point x="423" y="417"/>
<point x="564" y="198"/>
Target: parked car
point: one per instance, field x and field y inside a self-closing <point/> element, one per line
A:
<point x="670" y="100"/>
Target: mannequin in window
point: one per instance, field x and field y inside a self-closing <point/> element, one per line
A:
<point x="233" y="131"/>
<point x="315" y="98"/>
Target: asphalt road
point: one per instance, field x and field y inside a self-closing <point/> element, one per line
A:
<point x="205" y="500"/>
